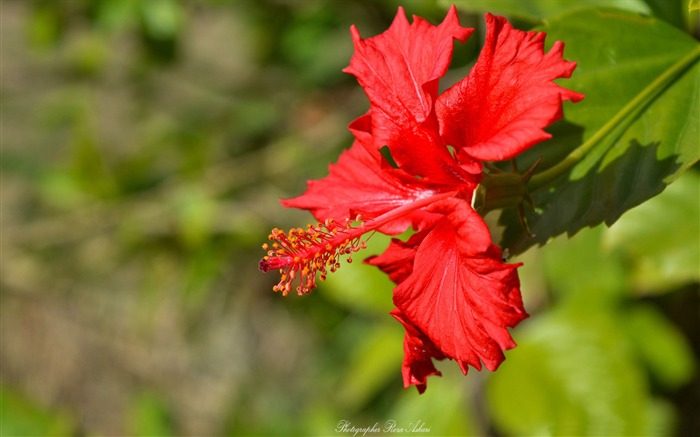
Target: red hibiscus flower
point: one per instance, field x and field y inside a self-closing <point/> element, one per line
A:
<point x="455" y="296"/>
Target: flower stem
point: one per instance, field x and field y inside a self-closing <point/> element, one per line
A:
<point x="620" y="122"/>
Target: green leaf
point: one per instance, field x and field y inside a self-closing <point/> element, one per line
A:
<point x="670" y="11"/>
<point x="655" y="236"/>
<point x="662" y="347"/>
<point x="536" y="10"/>
<point x="582" y="272"/>
<point x="195" y="211"/>
<point x="445" y="408"/>
<point x="375" y="361"/>
<point x="638" y="125"/>
<point x="360" y="287"/>
<point x="572" y="374"/>
<point x="162" y="18"/>
<point x="150" y="417"/>
<point x="20" y="417"/>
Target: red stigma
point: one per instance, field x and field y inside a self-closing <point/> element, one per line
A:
<point x="302" y="253"/>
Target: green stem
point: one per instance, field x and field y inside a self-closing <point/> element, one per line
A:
<point x="623" y="118"/>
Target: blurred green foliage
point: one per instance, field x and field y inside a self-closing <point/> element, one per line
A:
<point x="144" y="145"/>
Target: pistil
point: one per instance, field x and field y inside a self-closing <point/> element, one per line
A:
<point x="302" y="254"/>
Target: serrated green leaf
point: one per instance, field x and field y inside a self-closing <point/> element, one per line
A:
<point x="573" y="375"/>
<point x="639" y="122"/>
<point x="656" y="237"/>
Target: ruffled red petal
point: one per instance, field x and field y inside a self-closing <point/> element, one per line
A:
<point x="501" y="108"/>
<point x="363" y="183"/>
<point x="397" y="259"/>
<point x="454" y="295"/>
<point x="418" y="354"/>
<point x="459" y="293"/>
<point x="399" y="71"/>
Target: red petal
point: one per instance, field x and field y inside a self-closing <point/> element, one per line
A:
<point x="399" y="70"/>
<point x="418" y="354"/>
<point x="361" y="182"/>
<point x="459" y="293"/>
<point x="500" y="109"/>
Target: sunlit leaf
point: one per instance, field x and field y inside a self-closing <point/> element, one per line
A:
<point x="149" y="416"/>
<point x="20" y="417"/>
<point x="375" y="361"/>
<point x="581" y="270"/>
<point x="361" y="287"/>
<point x="536" y="10"/>
<point x="572" y="374"/>
<point x="446" y="408"/>
<point x="195" y="214"/>
<point x="671" y="11"/>
<point x="661" y="345"/>
<point x="657" y="237"/>
<point x="639" y="121"/>
<point x="162" y="18"/>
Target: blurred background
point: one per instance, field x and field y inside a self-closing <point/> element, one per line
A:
<point x="144" y="147"/>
